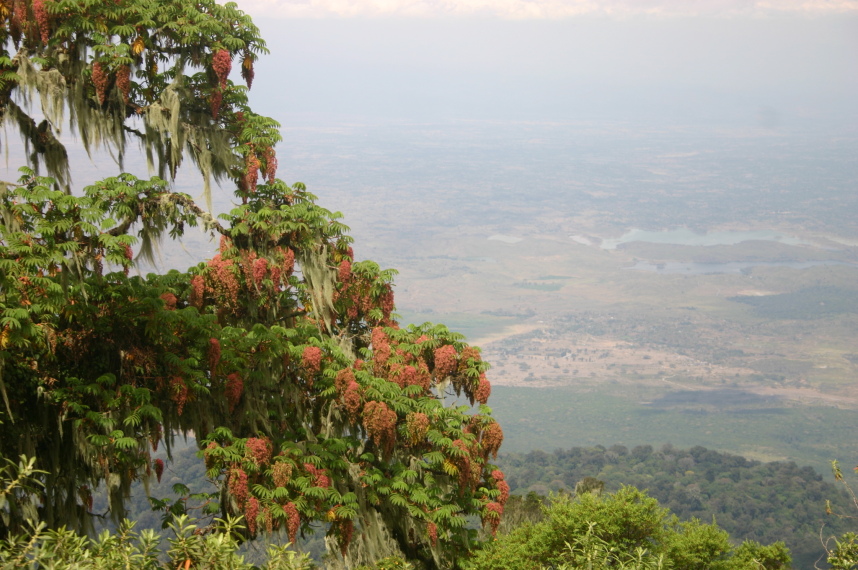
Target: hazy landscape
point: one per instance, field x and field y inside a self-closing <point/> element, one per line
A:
<point x="577" y="257"/>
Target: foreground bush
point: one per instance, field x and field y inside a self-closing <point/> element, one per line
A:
<point x="189" y="547"/>
<point x="627" y="529"/>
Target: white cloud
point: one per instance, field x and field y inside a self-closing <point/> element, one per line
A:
<point x="539" y="9"/>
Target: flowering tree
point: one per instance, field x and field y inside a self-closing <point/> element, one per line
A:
<point x="281" y="353"/>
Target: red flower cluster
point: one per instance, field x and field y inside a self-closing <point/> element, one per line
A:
<point x="198" y="290"/>
<point x="381" y="351"/>
<point x="251" y="512"/>
<point x="352" y="400"/>
<point x="445" y="361"/>
<point x="469" y="353"/>
<point x="386" y="303"/>
<point x="225" y="280"/>
<point x="100" y="80"/>
<point x="492" y="516"/>
<point x="503" y="487"/>
<point x="347" y="528"/>
<point x="259" y="450"/>
<point x="269" y="520"/>
<point x="19" y="15"/>
<point x="484" y="390"/>
<point x="344" y="377"/>
<point x="463" y="462"/>
<point x="214" y="354"/>
<point x="215" y="101"/>
<point x="432" y="531"/>
<point x="41" y="15"/>
<point x="269" y="167"/>
<point x="179" y="393"/>
<point x="492" y="439"/>
<point x="123" y="81"/>
<point x="311" y="359"/>
<point x="222" y="65"/>
<point x="288" y="262"/>
<point x="251" y="172"/>
<point x="344" y="271"/>
<point x="320" y="478"/>
<point x="159" y="468"/>
<point x="233" y="390"/>
<point x="293" y="521"/>
<point x="169" y="301"/>
<point x="260" y="269"/>
<point x="380" y="424"/>
<point x="237" y="485"/>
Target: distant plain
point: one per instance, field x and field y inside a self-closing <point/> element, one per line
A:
<point x="497" y="228"/>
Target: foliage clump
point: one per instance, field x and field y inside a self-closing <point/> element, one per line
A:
<point x="626" y="529"/>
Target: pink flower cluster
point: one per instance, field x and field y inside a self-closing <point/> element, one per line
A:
<point x="41" y="14"/>
<point x="251" y="172"/>
<point x="251" y="512"/>
<point x="320" y="478"/>
<point x="269" y="168"/>
<point x="237" y="486"/>
<point x="214" y="354"/>
<point x="293" y="521"/>
<point x="123" y="81"/>
<point x="226" y="282"/>
<point x="492" y="516"/>
<point x="502" y="486"/>
<point x="492" y="439"/>
<point x="344" y="271"/>
<point x="484" y="390"/>
<point x="380" y="424"/>
<point x="463" y="462"/>
<point x="259" y="449"/>
<point x="445" y="361"/>
<point x="260" y="269"/>
<point x="222" y="65"/>
<point x="311" y="359"/>
<point x="100" y="79"/>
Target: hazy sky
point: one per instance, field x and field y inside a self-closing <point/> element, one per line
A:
<point x="542" y="9"/>
<point x="776" y="64"/>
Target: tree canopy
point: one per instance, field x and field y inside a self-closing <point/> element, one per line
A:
<point x="281" y="354"/>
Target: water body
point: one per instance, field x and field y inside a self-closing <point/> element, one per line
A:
<point x="685" y="236"/>
<point x="730" y="267"/>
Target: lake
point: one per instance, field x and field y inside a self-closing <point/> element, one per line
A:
<point x="686" y="236"/>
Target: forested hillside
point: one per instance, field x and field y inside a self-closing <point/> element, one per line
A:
<point x="765" y="502"/>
